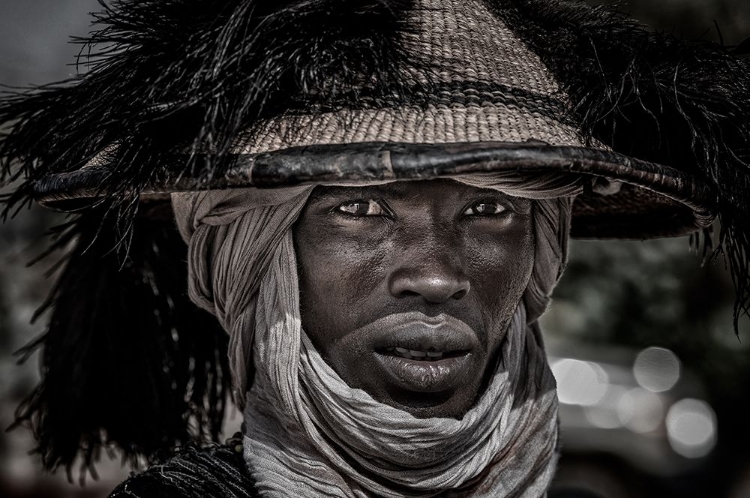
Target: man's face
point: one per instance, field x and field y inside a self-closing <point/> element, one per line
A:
<point x="407" y="289"/>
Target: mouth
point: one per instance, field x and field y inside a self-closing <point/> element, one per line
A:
<point x="424" y="354"/>
<point x="415" y="355"/>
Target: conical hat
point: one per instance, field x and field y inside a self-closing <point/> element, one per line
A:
<point x="469" y="95"/>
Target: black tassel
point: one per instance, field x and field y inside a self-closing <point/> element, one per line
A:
<point x="189" y="75"/>
<point x="654" y="97"/>
<point x="127" y="360"/>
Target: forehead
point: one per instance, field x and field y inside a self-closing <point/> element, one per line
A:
<point x="442" y="190"/>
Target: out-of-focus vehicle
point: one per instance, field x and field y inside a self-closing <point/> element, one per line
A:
<point x="628" y="419"/>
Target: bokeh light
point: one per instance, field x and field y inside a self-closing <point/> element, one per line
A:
<point x="691" y="428"/>
<point x="604" y="413"/>
<point x="656" y="369"/>
<point x="580" y="382"/>
<point x="640" y="410"/>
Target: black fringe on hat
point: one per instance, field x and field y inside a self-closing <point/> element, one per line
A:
<point x="124" y="345"/>
<point x="190" y="75"/>
<point x="127" y="359"/>
<point x="654" y="97"/>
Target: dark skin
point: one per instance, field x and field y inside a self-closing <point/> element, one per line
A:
<point x="436" y="247"/>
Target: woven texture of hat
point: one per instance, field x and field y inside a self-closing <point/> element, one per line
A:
<point x="492" y="88"/>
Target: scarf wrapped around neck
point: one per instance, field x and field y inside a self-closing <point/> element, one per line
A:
<point x="307" y="433"/>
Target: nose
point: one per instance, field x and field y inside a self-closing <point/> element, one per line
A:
<point x="436" y="277"/>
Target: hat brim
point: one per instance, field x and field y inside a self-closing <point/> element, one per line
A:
<point x="653" y="201"/>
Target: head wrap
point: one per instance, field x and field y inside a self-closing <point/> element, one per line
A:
<point x="307" y="432"/>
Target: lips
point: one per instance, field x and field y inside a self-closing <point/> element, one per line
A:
<point x="420" y="353"/>
<point x="425" y="376"/>
<point x="416" y="355"/>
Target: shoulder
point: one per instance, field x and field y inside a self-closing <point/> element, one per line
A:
<point x="215" y="472"/>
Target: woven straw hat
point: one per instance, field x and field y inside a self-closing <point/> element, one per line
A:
<point x="471" y="97"/>
<point x="188" y="95"/>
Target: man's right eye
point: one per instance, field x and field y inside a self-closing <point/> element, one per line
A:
<point x="369" y="207"/>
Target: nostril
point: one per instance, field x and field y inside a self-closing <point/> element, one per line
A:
<point x="407" y="293"/>
<point x="460" y="294"/>
<point x="434" y="289"/>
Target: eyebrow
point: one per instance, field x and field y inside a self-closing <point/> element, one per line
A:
<point x="398" y="191"/>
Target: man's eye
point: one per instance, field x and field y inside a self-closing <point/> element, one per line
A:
<point x="485" y="208"/>
<point x="368" y="207"/>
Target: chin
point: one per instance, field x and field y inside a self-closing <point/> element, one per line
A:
<point x="432" y="405"/>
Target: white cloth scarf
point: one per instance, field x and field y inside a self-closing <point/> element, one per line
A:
<point x="309" y="434"/>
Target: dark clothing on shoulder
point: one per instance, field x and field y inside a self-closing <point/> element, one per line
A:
<point x="215" y="472"/>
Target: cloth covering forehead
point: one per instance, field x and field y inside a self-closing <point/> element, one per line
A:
<point x="220" y="207"/>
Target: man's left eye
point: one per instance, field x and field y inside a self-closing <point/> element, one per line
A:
<point x="368" y="207"/>
<point x="485" y="208"/>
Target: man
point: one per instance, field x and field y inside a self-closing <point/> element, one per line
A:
<point x="394" y="312"/>
<point x="376" y="199"/>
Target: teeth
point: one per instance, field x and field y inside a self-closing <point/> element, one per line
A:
<point x="416" y="355"/>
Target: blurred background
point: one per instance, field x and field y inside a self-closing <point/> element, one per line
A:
<point x="652" y="379"/>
